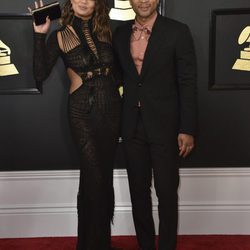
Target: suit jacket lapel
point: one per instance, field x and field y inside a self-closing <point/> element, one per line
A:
<point x="126" y="51"/>
<point x="152" y="46"/>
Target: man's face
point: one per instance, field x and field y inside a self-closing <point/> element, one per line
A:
<point x="144" y="8"/>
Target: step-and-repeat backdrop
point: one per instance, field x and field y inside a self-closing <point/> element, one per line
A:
<point x="34" y="130"/>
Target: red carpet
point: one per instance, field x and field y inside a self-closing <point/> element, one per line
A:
<point x="194" y="242"/>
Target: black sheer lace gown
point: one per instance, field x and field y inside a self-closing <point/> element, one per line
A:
<point x="94" y="115"/>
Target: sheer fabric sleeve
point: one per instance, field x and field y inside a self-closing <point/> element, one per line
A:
<point x="45" y="55"/>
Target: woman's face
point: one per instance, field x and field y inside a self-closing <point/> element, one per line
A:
<point x="83" y="8"/>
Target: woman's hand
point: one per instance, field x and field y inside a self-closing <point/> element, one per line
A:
<point x="42" y="28"/>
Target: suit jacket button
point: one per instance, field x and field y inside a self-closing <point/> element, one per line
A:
<point x="139" y="84"/>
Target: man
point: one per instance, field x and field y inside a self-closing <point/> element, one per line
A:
<point x="158" y="64"/>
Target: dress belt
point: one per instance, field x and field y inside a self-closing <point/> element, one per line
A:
<point x="104" y="71"/>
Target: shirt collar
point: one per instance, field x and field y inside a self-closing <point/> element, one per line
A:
<point x="149" y="24"/>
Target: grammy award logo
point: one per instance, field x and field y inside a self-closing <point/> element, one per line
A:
<point x="122" y="11"/>
<point x="244" y="62"/>
<point x="6" y="67"/>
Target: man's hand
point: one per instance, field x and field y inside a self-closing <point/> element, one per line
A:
<point x="186" y="144"/>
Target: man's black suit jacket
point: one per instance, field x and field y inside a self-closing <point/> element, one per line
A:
<point x="166" y="87"/>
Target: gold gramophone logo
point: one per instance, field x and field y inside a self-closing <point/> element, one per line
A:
<point x="122" y="11"/>
<point x="244" y="62"/>
<point x="6" y="67"/>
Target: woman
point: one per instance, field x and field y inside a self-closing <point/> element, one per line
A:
<point x="84" y="43"/>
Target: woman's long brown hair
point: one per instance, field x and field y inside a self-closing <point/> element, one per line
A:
<point x="101" y="25"/>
